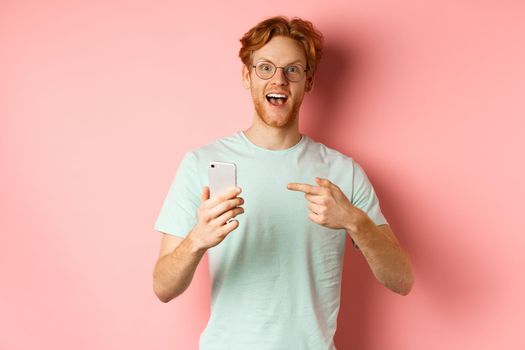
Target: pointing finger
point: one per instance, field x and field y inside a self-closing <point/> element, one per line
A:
<point x="303" y="188"/>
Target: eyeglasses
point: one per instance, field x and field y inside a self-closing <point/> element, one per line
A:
<point x="292" y="72"/>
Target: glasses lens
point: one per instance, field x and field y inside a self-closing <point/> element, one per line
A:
<point x="265" y="70"/>
<point x="293" y="73"/>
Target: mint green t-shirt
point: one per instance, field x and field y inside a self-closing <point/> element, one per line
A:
<point x="276" y="279"/>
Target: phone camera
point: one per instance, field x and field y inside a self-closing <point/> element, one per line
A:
<point x="213" y="165"/>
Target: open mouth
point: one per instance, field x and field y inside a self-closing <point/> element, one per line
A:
<point x="276" y="99"/>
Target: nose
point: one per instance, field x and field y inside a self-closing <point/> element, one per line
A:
<point x="279" y="78"/>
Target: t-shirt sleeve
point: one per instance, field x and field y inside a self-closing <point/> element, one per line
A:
<point x="364" y="196"/>
<point x="178" y="214"/>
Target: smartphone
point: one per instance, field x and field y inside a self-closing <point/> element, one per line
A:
<point x="222" y="177"/>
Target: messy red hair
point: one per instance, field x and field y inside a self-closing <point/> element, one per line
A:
<point x="298" y="29"/>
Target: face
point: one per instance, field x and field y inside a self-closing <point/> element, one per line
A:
<point x="283" y="112"/>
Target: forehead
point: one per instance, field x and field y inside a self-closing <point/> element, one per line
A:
<point x="281" y="50"/>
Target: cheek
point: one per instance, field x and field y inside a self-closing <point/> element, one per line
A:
<point x="257" y="91"/>
<point x="257" y="98"/>
<point x="299" y="95"/>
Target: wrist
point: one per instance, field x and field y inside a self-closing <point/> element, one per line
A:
<point x="194" y="245"/>
<point x="357" y="223"/>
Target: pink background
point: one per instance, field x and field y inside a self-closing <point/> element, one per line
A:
<point x="99" y="100"/>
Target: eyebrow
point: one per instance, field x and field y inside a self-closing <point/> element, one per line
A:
<point x="269" y="60"/>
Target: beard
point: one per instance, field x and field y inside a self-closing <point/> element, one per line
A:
<point x="284" y="123"/>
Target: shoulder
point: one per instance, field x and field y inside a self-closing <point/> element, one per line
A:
<point x="327" y="154"/>
<point x="214" y="147"/>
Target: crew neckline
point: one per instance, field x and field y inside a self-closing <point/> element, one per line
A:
<point x="273" y="151"/>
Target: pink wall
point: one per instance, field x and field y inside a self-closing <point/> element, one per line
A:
<point x="99" y="100"/>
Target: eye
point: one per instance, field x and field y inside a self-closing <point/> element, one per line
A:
<point x="265" y="67"/>
<point x="293" y="69"/>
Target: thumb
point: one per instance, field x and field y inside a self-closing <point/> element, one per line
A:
<point x="322" y="182"/>
<point x="205" y="193"/>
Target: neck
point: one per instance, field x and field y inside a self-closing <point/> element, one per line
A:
<point x="273" y="138"/>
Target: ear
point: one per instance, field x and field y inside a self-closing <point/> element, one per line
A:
<point x="246" y="79"/>
<point x="309" y="84"/>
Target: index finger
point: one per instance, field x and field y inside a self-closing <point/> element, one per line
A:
<point x="306" y="188"/>
<point x="231" y="193"/>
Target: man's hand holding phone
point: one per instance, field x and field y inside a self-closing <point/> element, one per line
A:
<point x="212" y="217"/>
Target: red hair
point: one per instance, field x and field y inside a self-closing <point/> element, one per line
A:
<point x="298" y="29"/>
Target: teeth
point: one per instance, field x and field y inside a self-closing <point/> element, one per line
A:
<point x="276" y="96"/>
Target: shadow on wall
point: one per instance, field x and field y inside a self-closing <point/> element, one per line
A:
<point x="337" y="81"/>
<point x="334" y="85"/>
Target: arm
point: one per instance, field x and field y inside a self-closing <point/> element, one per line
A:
<point x="330" y="207"/>
<point x="173" y="272"/>
<point x="388" y="261"/>
<point x="179" y="257"/>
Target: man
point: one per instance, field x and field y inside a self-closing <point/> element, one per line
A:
<point x="276" y="267"/>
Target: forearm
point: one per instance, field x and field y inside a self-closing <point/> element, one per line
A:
<point x="388" y="261"/>
<point x="173" y="272"/>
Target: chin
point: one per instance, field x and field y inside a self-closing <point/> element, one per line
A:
<point x="277" y="122"/>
